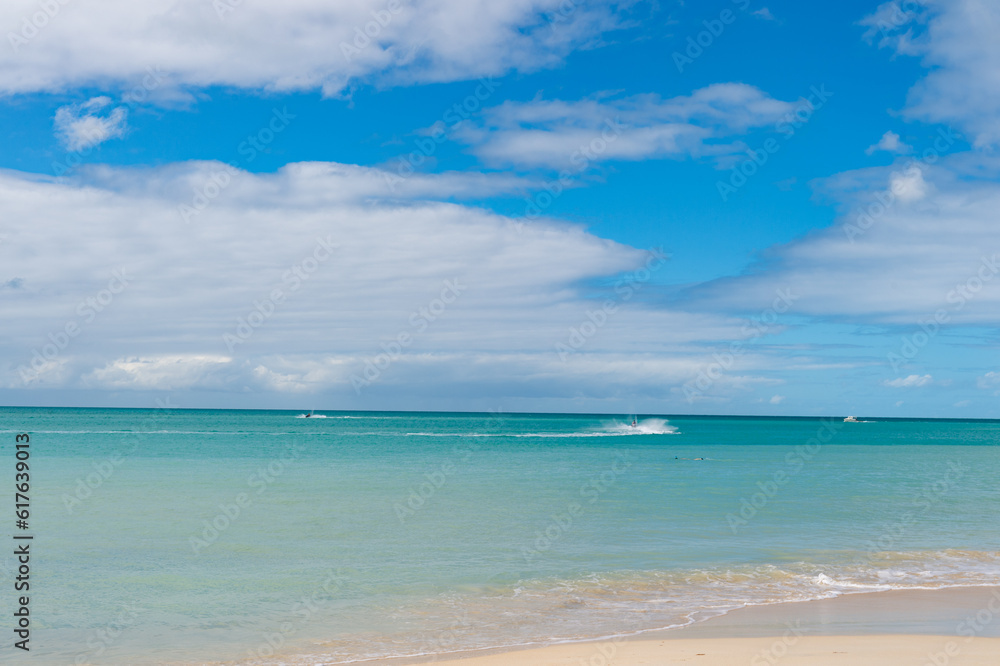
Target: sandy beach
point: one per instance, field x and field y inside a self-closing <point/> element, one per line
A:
<point x="879" y="650"/>
<point x="932" y="627"/>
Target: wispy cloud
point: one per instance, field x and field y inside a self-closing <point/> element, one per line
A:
<point x="911" y="381"/>
<point x="90" y="123"/>
<point x="305" y="45"/>
<point x="558" y="134"/>
<point x="957" y="40"/>
<point x="911" y="242"/>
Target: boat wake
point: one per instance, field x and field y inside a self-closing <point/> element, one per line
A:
<point x="608" y="429"/>
<point x="644" y="427"/>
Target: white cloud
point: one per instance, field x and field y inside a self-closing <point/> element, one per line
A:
<point x="912" y="243"/>
<point x="957" y="40"/>
<point x="302" y="45"/>
<point x="916" y="240"/>
<point x="90" y="123"/>
<point x="765" y="14"/>
<point x="908" y="186"/>
<point x="160" y="372"/>
<point x="776" y="399"/>
<point x="523" y="288"/>
<point x="911" y="381"/>
<point x="891" y="143"/>
<point x="565" y="134"/>
<point x="990" y="380"/>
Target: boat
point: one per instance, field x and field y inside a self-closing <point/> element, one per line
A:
<point x="852" y="419"/>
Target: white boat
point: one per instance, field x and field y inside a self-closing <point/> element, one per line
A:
<point x="852" y="419"/>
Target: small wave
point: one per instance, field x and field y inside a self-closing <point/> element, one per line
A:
<point x="605" y="606"/>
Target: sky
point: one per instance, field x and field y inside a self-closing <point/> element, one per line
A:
<point x="719" y="207"/>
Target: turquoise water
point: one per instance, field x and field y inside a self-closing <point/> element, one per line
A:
<point x="196" y="535"/>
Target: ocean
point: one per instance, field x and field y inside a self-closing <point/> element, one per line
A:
<point x="182" y="536"/>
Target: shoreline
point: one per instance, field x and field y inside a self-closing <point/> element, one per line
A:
<point x="960" y="624"/>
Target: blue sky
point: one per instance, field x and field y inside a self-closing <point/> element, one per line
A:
<point x="248" y="205"/>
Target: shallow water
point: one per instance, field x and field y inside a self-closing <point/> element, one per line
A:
<point x="190" y="535"/>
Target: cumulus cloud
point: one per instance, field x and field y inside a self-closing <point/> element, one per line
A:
<point x="957" y="41"/>
<point x="305" y="45"/>
<point x="90" y="123"/>
<point x="572" y="134"/>
<point x="776" y="399"/>
<point x="911" y="381"/>
<point x="891" y="143"/>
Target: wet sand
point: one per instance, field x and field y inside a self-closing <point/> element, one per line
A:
<point x="921" y="627"/>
